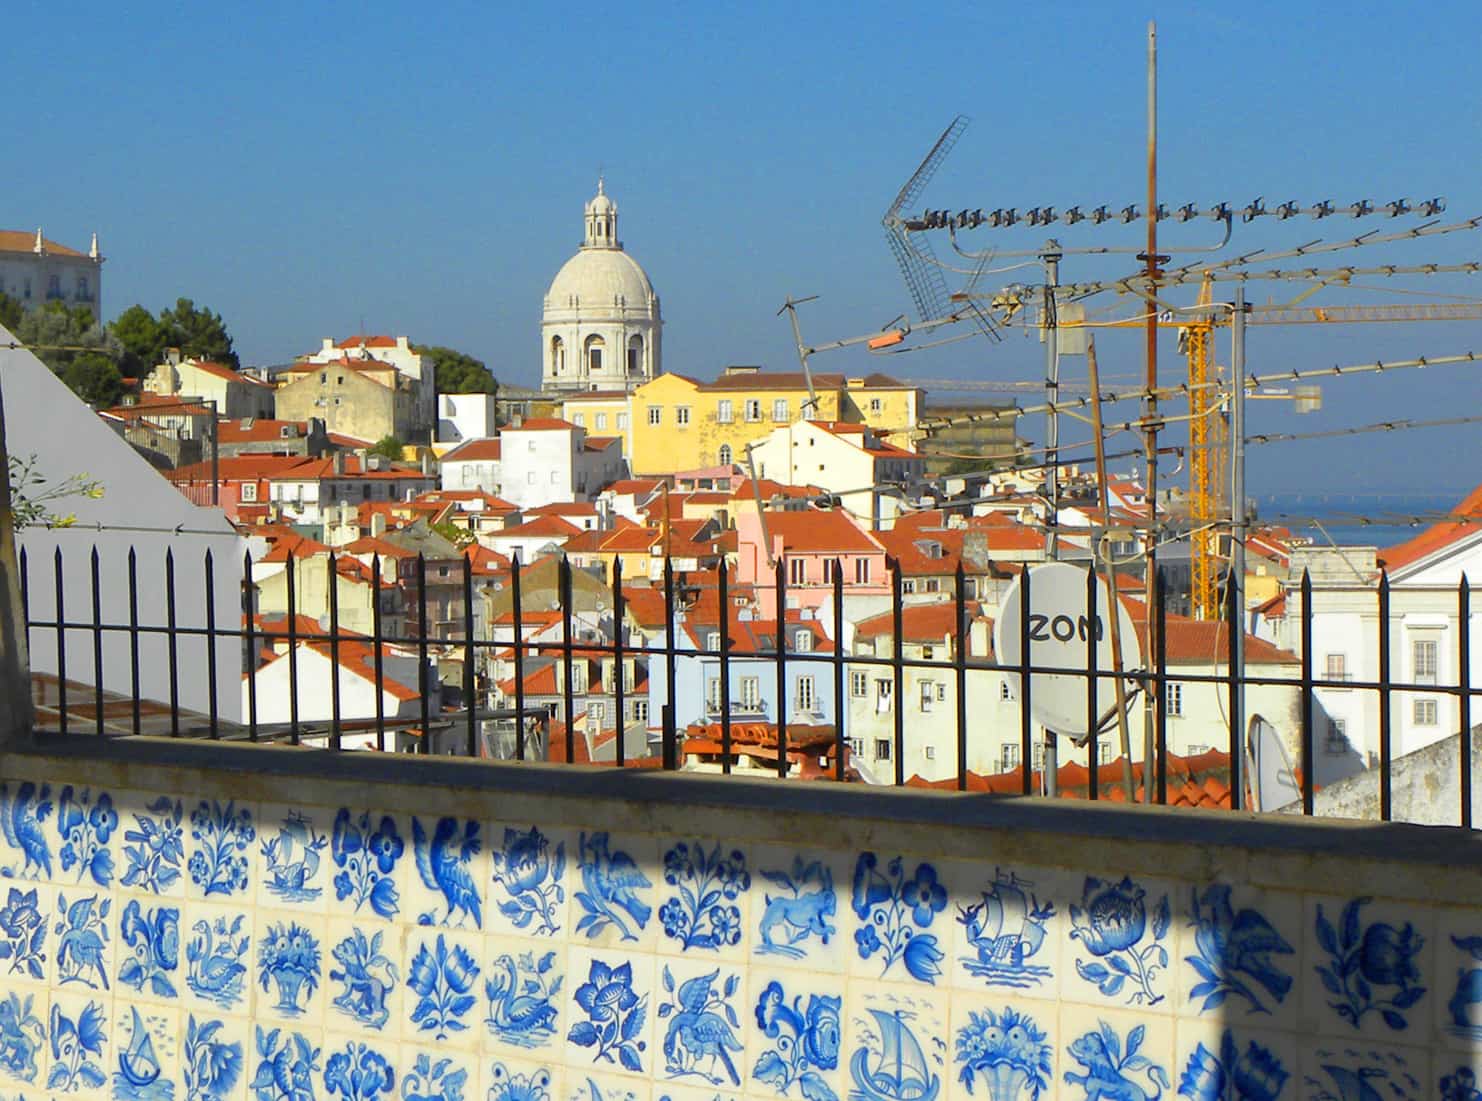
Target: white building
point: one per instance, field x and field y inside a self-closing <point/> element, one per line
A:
<point x="601" y="328"/>
<point x="357" y="684"/>
<point x="849" y="460"/>
<point x="473" y="465"/>
<point x="236" y="395"/>
<point x="546" y="460"/>
<point x="35" y="271"/>
<point x="463" y="417"/>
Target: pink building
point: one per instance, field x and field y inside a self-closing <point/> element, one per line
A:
<point x="808" y="542"/>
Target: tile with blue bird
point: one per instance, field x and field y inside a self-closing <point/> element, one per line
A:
<point x="28" y="843"/>
<point x="894" y="1042"/>
<point x="218" y="957"/>
<point x="84" y="937"/>
<point x="1214" y="1060"/>
<point x="1007" y="929"/>
<point x="614" y="897"/>
<point x="445" y="882"/>
<point x="215" y="1056"/>
<point x="81" y="1054"/>
<point x="704" y="898"/>
<point x="153" y="829"/>
<point x="1237" y="958"/>
<point x="221" y="849"/>
<point x="294" y="862"/>
<point x="1001" y="1045"/>
<point x="794" y="1024"/>
<point x="1103" y="1051"/>
<point x="1119" y="948"/>
<point x="579" y="1084"/>
<point x="364" y="977"/>
<point x="701" y="1024"/>
<point x="899" y="920"/>
<point x="146" y="1053"/>
<point x="506" y="1078"/>
<point x="532" y="870"/>
<point x="610" y="1012"/>
<point x="1369" y="969"/>
<point x="442" y="975"/>
<point x="371" y="865"/>
<point x="1457" y="1000"/>
<point x="1351" y="1069"/>
<point x="27" y="933"/>
<point x="799" y="901"/>
<point x="523" y="993"/>
<point x="289" y="965"/>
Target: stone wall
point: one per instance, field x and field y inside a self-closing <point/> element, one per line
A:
<point x="232" y="923"/>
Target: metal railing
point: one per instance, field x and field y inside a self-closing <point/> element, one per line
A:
<point x="460" y="728"/>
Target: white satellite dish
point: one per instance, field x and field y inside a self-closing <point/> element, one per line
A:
<point x="1059" y="636"/>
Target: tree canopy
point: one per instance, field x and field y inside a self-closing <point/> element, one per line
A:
<point x="11" y="312"/>
<point x="93" y="377"/>
<point x="389" y="446"/>
<point x="197" y="331"/>
<point x="458" y="372"/>
<point x="78" y="349"/>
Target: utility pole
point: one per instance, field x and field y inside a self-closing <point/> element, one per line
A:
<point x="1237" y="520"/>
<point x="1150" y="409"/>
<point x="1051" y="258"/>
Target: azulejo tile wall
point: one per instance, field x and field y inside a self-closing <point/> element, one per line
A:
<point x="156" y="946"/>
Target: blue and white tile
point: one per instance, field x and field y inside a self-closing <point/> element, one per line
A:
<point x="700" y="1025"/>
<point x="433" y="1073"/>
<point x="146" y="1053"/>
<point x="909" y="1023"/>
<point x="84" y="936"/>
<point x="1237" y="958"/>
<point x="28" y="935"/>
<point x="358" y="1067"/>
<point x="799" y="908"/>
<point x="371" y="857"/>
<point x="1001" y="1046"/>
<point x="218" y="955"/>
<point x="293" y="857"/>
<point x="1119" y="945"/>
<point x="1009" y="927"/>
<point x="1351" y="1069"/>
<point x="615" y="891"/>
<point x="215" y="1057"/>
<point x="80" y="1055"/>
<point x="673" y="1091"/>
<point x="28" y="850"/>
<point x="221" y="850"/>
<point x="611" y="1008"/>
<point x="1368" y="970"/>
<point x="1215" y="1060"/>
<point x="703" y="898"/>
<point x="1456" y="1077"/>
<point x="793" y="1021"/>
<point x="532" y="870"/>
<point x="445" y="885"/>
<point x="1457" y="998"/>
<point x="150" y="963"/>
<point x="1103" y="1050"/>
<point x="899" y="922"/>
<point x="288" y="967"/>
<point x="595" y="1085"/>
<point x="523" y="994"/>
<point x="364" y="977"/>
<point x="288" y="1061"/>
<point x="442" y="979"/>
<point x="506" y="1078"/>
<point x="25" y="1033"/>
<point x="151" y="849"/>
<point x="85" y="837"/>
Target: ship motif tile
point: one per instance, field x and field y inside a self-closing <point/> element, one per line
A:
<point x="293" y="857"/>
<point x="286" y="1064"/>
<point x="1217" y="1061"/>
<point x="508" y="1079"/>
<point x="704" y="898"/>
<point x="522" y="994"/>
<point x="80" y="1050"/>
<point x="357" y="1069"/>
<point x="795" y="1025"/>
<point x="152" y="849"/>
<point x="1105" y="1052"/>
<point x="1369" y="969"/>
<point x="27" y="843"/>
<point x="149" y="964"/>
<point x="1237" y="954"/>
<point x="1119" y="945"/>
<point x="288" y="967"/>
<point x="698" y="1024"/>
<point x="445" y="885"/>
<point x="146" y="1063"/>
<point x="1007" y="929"/>
<point x="24" y="1046"/>
<point x="363" y="977"/>
<point x="1003" y="1047"/>
<point x="27" y="936"/>
<point x="221" y="850"/>
<point x="901" y="928"/>
<point x="368" y="851"/>
<point x="214" y="1056"/>
<point x="434" y="1074"/>
<point x="1458" y="981"/>
<point x="614" y="892"/>
<point x="441" y="989"/>
<point x="218" y="958"/>
<point x="528" y="882"/>
<point x="895" y="1038"/>
<point x="610" y="1012"/>
<point x="84" y="937"/>
<point x="796" y="909"/>
<point x="1355" y="1070"/>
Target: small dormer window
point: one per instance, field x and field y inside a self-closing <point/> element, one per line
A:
<point x="712" y="641"/>
<point x="803" y="642"/>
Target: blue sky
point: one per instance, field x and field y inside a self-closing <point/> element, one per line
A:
<point x="305" y="167"/>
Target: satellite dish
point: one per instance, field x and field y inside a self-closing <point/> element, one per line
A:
<point x="1059" y="638"/>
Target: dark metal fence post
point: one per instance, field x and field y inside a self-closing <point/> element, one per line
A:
<point x="779" y="580"/>
<point x="249" y="663"/>
<point x="335" y="730"/>
<point x="1160" y="686"/>
<point x="670" y="731"/>
<point x="568" y="693"/>
<point x="841" y="706"/>
<point x="212" y="703"/>
<point x="898" y="667"/>
<point x="1026" y="719"/>
<point x="514" y="592"/>
<point x="723" y="601"/>
<point x="1093" y="710"/>
<point x="1235" y="624"/>
<point x="960" y="657"/>
<point x="1309" y="784"/>
<point x="1464" y="682"/>
<point x="97" y="643"/>
<point x="424" y="686"/>
<point x="56" y="564"/>
<point x="470" y="660"/>
<point x="293" y="733"/>
<point x="174" y="642"/>
<point x="377" y="657"/>
<point x="619" y="692"/>
<point x="1386" y="750"/>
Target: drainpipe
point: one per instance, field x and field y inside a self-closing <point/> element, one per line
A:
<point x="15" y="677"/>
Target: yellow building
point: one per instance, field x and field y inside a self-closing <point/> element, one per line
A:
<point x="601" y="413"/>
<point x="680" y="423"/>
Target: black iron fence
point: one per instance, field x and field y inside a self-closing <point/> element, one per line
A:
<point x="76" y="699"/>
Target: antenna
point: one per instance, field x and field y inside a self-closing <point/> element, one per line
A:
<point x="791" y="306"/>
<point x="922" y="274"/>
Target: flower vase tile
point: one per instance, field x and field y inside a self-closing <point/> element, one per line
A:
<point x="615" y="891"/>
<point x="221" y="850"/>
<point x="898" y="920"/>
<point x="364" y="977"/>
<point x="515" y="1079"/>
<point x="794" y="1022"/>
<point x="84" y="837"/>
<point x="531" y="872"/>
<point x="610" y="1011"/>
<point x="80" y="1055"/>
<point x="800" y="909"/>
<point x="1002" y="1048"/>
<point x="214" y="1056"/>
<point x="153" y="830"/>
<point x="1339" y="1070"/>
<point x="1216" y="1060"/>
<point x="1008" y="928"/>
<point x="442" y="975"/>
<point x="895" y="1044"/>
<point x="1119" y="947"/>
<point x="84" y="937"/>
<point x="146" y="1053"/>
<point x="358" y="1068"/>
<point x="370" y="856"/>
<point x="294" y="864"/>
<point x="701" y="1025"/>
<point x="446" y="882"/>
<point x="150" y="961"/>
<point x="1103" y="1052"/>
<point x="27" y="933"/>
<point x="1368" y="970"/>
<point x="1237" y="959"/>
<point x="432" y="1072"/>
<point x="289" y="957"/>
<point x="1457" y="998"/>
<point x="217" y="959"/>
<point x="522" y="997"/>
<point x="703" y="899"/>
<point x="24" y="1040"/>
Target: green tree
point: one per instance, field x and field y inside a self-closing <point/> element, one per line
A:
<point x="142" y="339"/>
<point x="389" y="446"/>
<point x="61" y="337"/>
<point x="198" y="333"/>
<point x="93" y="377"/>
<point x="11" y="312"/>
<point x="457" y="372"/>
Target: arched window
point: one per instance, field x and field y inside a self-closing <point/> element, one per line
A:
<point x="723" y="457"/>
<point x="558" y="355"/>
<point x="635" y="354"/>
<point x="594" y="348"/>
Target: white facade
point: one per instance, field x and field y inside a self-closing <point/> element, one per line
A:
<point x="475" y="465"/>
<point x="601" y="328"/>
<point x="545" y="461"/>
<point x="465" y="417"/>
<point x="844" y="459"/>
<point x="316" y="687"/>
<point x="35" y="271"/>
<point x="236" y="395"/>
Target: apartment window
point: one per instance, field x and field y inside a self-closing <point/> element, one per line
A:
<point x="555" y="477"/>
<point x="941" y="692"/>
<point x="530" y="444"/>
<point x="928" y="653"/>
<point x="1425" y="713"/>
<point x="804" y="694"/>
<point x="751" y="693"/>
<point x="875" y="405"/>
<point x="530" y="477"/>
<point x="882" y="749"/>
<point x="323" y="377"/>
<point x="1175" y="699"/>
<point x="753" y="409"/>
<point x="779" y="410"/>
<point x="712" y="694"/>
<point x="723" y="456"/>
<point x="579" y="419"/>
<point x="1336" y="666"/>
<point x="723" y="413"/>
<point x="928" y="695"/>
<point x="681" y="415"/>
<point x="929" y="752"/>
<point x="601" y="421"/>
<point x="1197" y="750"/>
<point x="712" y="641"/>
<point x="249" y="491"/>
<point x="861" y="571"/>
<point x="640" y="711"/>
<point x="82" y="295"/>
<point x="859" y="685"/>
<point x="803" y="641"/>
<point x="339" y="380"/>
<point x="597" y="711"/>
<point x="797" y="571"/>
<point x="1004" y="691"/>
<point x="1337" y="740"/>
<point x="908" y="585"/>
<point x="828" y="571"/>
<point x="1425" y="654"/>
<point x="655" y="415"/>
<point x="622" y="421"/>
<point x="884" y="690"/>
<point x="1008" y="757"/>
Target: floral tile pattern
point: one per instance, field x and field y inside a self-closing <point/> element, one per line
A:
<point x="160" y="946"/>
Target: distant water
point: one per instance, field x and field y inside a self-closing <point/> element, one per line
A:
<point x="1342" y="515"/>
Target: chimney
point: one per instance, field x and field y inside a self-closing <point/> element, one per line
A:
<point x="328" y="345"/>
<point x="338" y="464"/>
<point x="426" y="457"/>
<point x="172" y="356"/>
<point x="403" y="344"/>
<point x="378" y="524"/>
<point x="344" y="514"/>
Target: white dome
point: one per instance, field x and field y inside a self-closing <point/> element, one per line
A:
<point x="600" y="277"/>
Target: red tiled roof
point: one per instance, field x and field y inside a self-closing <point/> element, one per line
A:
<point x="1196" y="781"/>
<point x="600" y="443"/>
<point x="236" y="468"/>
<point x="1437" y="536"/>
<point x="18" y="240"/>
<point x="563" y="508"/>
<point x="361" y="341"/>
<point x="474" y="451"/>
<point x="818" y="530"/>
<point x="541" y="525"/>
<point x="919" y="622"/>
<point x="542" y="424"/>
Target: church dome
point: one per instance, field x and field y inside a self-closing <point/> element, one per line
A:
<point x="596" y="278"/>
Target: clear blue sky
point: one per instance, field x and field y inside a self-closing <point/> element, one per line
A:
<point x="301" y="167"/>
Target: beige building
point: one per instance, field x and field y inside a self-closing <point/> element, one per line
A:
<point x="236" y="396"/>
<point x="35" y="271"/>
<point x="365" y="398"/>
